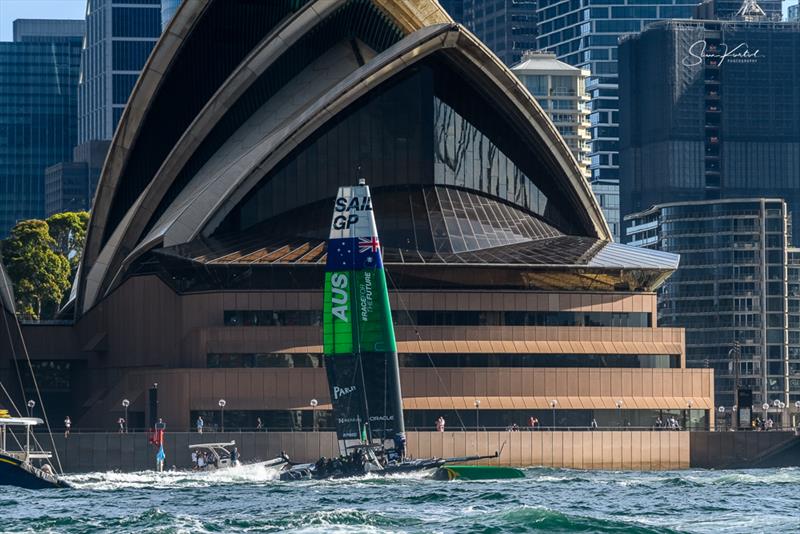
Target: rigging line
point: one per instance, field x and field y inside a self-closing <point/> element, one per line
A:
<point x="33" y="375"/>
<point x="419" y="338"/>
<point x="5" y="391"/>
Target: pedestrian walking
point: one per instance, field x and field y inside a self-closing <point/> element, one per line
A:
<point x="593" y="424"/>
<point x="259" y="426"/>
<point x="67" y="426"/>
<point x="440" y="424"/>
<point x="121" y="423"/>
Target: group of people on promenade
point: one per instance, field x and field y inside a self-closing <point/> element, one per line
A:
<point x="670" y="423"/>
<point x="761" y="424"/>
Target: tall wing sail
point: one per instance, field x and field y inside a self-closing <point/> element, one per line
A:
<point x="358" y="337"/>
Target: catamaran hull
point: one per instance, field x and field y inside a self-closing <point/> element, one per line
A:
<point x="309" y="471"/>
<point x="14" y="472"/>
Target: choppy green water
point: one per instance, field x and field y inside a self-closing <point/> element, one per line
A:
<point x="547" y="500"/>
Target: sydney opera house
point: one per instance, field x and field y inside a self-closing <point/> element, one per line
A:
<point x="204" y="265"/>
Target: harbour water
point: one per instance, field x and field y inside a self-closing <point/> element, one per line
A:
<point x="245" y="499"/>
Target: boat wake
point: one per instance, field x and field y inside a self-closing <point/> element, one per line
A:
<point x="115" y="480"/>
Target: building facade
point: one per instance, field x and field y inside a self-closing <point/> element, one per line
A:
<point x="699" y="124"/>
<point x="38" y="110"/>
<point x="204" y="263"/>
<point x="794" y="13"/>
<point x="737" y="291"/>
<point x="507" y="27"/>
<point x="585" y="35"/>
<point x="119" y="37"/>
<point x="561" y="91"/>
<point x="70" y="186"/>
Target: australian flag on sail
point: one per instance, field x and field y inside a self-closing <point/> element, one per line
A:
<point x="354" y="253"/>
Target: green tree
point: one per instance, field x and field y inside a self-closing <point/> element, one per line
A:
<point x="39" y="273"/>
<point x="68" y="229"/>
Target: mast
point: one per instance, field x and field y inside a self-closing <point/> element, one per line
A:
<point x="358" y="336"/>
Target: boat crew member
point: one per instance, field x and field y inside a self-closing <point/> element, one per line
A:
<point x="194" y="459"/>
<point x="400" y="446"/>
<point x="235" y="457"/>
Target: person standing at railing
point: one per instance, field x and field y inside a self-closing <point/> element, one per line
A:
<point x="200" y="424"/>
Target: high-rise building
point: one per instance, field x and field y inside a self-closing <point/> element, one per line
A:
<point x="454" y="8"/>
<point x="70" y="186"/>
<point x="38" y="111"/>
<point x="47" y="30"/>
<point x="168" y="8"/>
<point x="508" y="27"/>
<point x="710" y="110"/>
<point x="738" y="9"/>
<point x="561" y="91"/>
<point x="794" y="12"/>
<point x="119" y="38"/>
<point x="586" y="36"/>
<point x="734" y="292"/>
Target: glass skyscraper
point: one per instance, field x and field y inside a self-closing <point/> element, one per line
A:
<point x="168" y="8"/>
<point x="38" y="111"/>
<point x="736" y="292"/>
<point x="584" y="33"/>
<point x="119" y="38"/>
<point x="507" y="27"/>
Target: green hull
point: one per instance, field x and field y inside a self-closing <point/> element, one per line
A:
<point x="477" y="472"/>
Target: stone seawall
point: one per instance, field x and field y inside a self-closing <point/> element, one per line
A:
<point x="634" y="450"/>
<point x="83" y="452"/>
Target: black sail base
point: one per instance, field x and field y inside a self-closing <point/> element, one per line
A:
<point x="14" y="472"/>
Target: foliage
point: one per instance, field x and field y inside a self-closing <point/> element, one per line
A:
<point x="68" y="229"/>
<point x="38" y="270"/>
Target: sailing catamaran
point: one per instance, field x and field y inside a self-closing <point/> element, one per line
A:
<point x="361" y="354"/>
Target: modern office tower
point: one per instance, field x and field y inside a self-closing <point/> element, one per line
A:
<point x="70" y="186"/>
<point x="794" y="12"/>
<point x="38" y="111"/>
<point x="586" y="37"/>
<point x="119" y="37"/>
<point x="168" y="8"/>
<point x="507" y="27"/>
<point x="454" y="8"/>
<point x="47" y="30"/>
<point x="715" y="116"/>
<point x="732" y="292"/>
<point x="739" y="9"/>
<point x="205" y="256"/>
<point x="561" y="91"/>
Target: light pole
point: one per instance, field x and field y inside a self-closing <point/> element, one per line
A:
<point x="721" y="411"/>
<point x="765" y="407"/>
<point x="477" y="413"/>
<point x="797" y="414"/>
<point x="553" y="404"/>
<point x="618" y="403"/>
<point x="313" y="414"/>
<point x="125" y="404"/>
<point x="222" y="415"/>
<point x="688" y="419"/>
<point x="782" y="407"/>
<point x="31" y="406"/>
<point x="735" y="355"/>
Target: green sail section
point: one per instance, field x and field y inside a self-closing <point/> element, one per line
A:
<point x="356" y="313"/>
